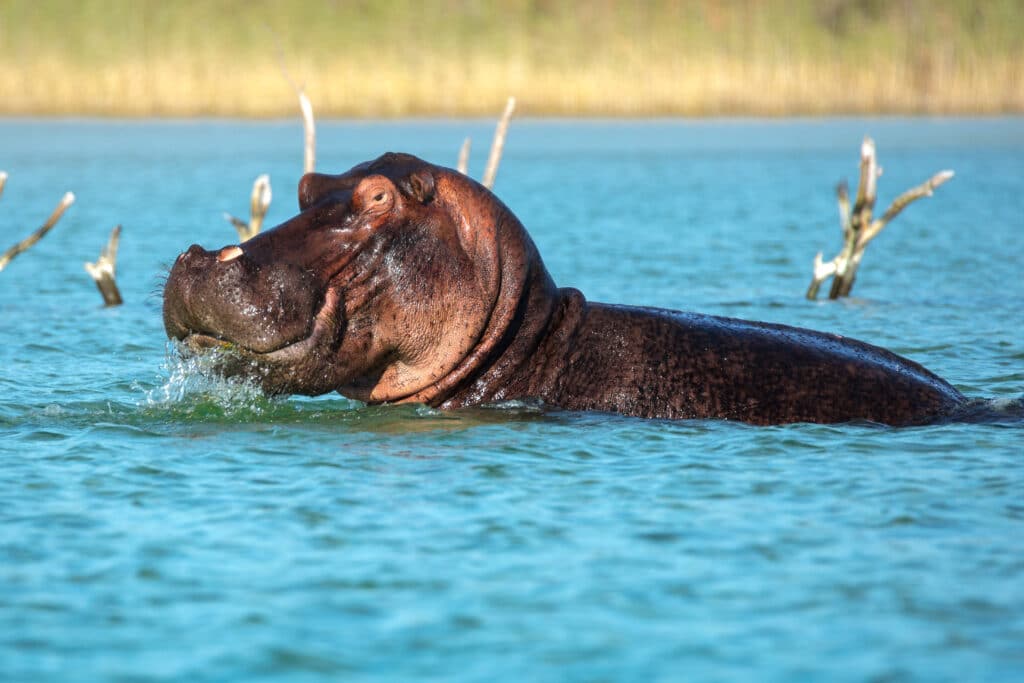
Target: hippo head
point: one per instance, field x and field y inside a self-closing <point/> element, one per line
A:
<point x="393" y="282"/>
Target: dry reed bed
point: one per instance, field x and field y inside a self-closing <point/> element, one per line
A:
<point x="446" y="57"/>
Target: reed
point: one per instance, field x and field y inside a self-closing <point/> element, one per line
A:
<point x="452" y="57"/>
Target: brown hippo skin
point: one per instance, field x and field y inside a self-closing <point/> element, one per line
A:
<point x="400" y="281"/>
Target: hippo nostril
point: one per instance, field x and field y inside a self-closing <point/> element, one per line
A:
<point x="193" y="252"/>
<point x="229" y="254"/>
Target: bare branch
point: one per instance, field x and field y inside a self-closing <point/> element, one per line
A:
<point x="309" y="130"/>
<point x="463" y="166"/>
<point x="103" y="270"/>
<point x="241" y="226"/>
<point x="867" y="185"/>
<point x="925" y="189"/>
<point x="498" y="144"/>
<point x="66" y="201"/>
<point x="259" y="202"/>
<point x="308" y="125"/>
<point x="843" y="199"/>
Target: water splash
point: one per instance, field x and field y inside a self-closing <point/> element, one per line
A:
<point x="191" y="382"/>
<point x="1002" y="410"/>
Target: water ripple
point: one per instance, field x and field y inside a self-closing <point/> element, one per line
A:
<point x="158" y="522"/>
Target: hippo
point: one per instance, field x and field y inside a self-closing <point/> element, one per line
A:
<point x="400" y="281"/>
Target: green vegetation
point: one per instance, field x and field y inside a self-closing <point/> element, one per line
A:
<point x="445" y="57"/>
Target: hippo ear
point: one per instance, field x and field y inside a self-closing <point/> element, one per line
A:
<point x="420" y="186"/>
<point x="313" y="187"/>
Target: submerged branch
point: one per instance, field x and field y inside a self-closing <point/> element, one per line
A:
<point x="103" y="271"/>
<point x="822" y="271"/>
<point x="27" y="243"/>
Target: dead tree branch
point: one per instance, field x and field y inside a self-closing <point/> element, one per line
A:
<point x="259" y="202"/>
<point x="849" y="257"/>
<point x="925" y="189"/>
<point x="305" y="106"/>
<point x="857" y="224"/>
<point x="309" y="132"/>
<point x="824" y="270"/>
<point x="463" y="166"/>
<point x="843" y="200"/>
<point x="498" y="144"/>
<point x="103" y="271"/>
<point x="27" y="243"/>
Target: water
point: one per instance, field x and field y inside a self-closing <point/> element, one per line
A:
<point x="156" y="524"/>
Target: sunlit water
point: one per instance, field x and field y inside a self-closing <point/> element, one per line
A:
<point x="158" y="524"/>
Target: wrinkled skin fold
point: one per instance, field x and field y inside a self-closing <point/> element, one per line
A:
<point x="401" y="281"/>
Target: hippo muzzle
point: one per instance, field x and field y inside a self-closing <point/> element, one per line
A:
<point x="261" y="308"/>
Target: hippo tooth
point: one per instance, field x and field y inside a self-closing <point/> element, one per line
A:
<point x="229" y="254"/>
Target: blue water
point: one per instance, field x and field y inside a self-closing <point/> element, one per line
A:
<point x="158" y="524"/>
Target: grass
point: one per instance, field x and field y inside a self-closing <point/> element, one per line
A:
<point x="464" y="57"/>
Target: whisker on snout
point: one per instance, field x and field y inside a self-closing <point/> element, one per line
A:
<point x="156" y="292"/>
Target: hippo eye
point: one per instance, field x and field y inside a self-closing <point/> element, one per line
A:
<point x="380" y="196"/>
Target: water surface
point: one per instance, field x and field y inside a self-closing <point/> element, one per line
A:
<point x="159" y="525"/>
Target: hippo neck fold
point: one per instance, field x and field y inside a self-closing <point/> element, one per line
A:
<point x="529" y="360"/>
<point x="523" y="300"/>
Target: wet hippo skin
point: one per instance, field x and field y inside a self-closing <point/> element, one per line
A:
<point x="401" y="281"/>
